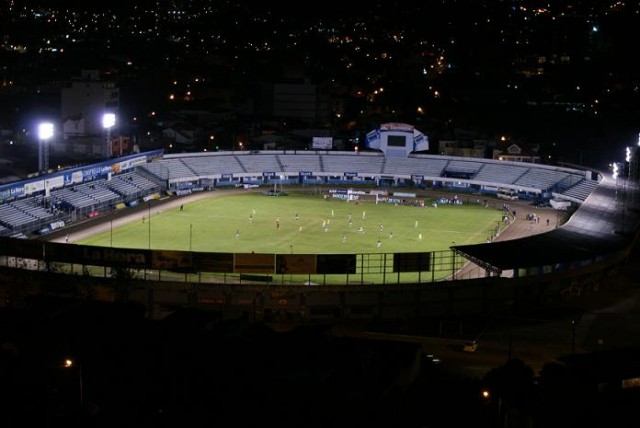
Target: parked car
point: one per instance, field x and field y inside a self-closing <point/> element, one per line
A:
<point x="432" y="359"/>
<point x="470" y="346"/>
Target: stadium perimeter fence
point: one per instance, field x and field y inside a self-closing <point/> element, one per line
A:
<point x="236" y="268"/>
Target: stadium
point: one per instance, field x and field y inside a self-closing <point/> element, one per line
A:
<point x="570" y="258"/>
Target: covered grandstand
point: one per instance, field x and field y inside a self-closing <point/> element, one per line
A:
<point x="605" y="224"/>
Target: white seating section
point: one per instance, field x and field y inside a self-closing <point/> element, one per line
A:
<point x="431" y="167"/>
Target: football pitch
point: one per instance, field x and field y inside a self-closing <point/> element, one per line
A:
<point x="302" y="223"/>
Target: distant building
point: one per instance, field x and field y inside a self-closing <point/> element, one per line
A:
<point x="516" y="152"/>
<point x="180" y="136"/>
<point x="464" y="148"/>
<point x="479" y="148"/>
<point x="83" y="102"/>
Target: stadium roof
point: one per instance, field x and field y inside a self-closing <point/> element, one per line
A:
<point x="605" y="223"/>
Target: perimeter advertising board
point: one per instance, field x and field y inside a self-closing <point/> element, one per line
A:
<point x="213" y="262"/>
<point x="97" y="256"/>
<point x="166" y="259"/>
<point x="254" y="263"/>
<point x="22" y="248"/>
<point x="296" y="264"/>
<point x="411" y="262"/>
<point x="336" y="263"/>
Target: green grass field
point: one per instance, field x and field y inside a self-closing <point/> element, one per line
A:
<point x="247" y="222"/>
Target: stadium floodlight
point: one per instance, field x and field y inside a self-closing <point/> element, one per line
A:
<point x="108" y="122"/>
<point x="45" y="133"/>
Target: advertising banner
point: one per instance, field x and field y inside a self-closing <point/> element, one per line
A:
<point x="296" y="263"/>
<point x="336" y="263"/>
<point x="22" y="248"/>
<point x="411" y="262"/>
<point x="115" y="257"/>
<point x="322" y="143"/>
<point x="164" y="259"/>
<point x="213" y="262"/>
<point x="254" y="263"/>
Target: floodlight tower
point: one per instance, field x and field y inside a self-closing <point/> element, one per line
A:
<point x="45" y="132"/>
<point x="633" y="172"/>
<point x="108" y="122"/>
<point x="633" y="153"/>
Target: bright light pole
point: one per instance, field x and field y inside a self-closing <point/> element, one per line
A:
<point x="69" y="363"/>
<point x="487" y="395"/>
<point x="108" y="122"/>
<point x="45" y="132"/>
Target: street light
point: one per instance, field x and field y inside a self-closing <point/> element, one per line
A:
<point x="108" y="122"/>
<point x="45" y="132"/>
<point x="69" y="363"/>
<point x="489" y="398"/>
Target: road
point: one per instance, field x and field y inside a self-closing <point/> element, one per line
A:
<point x="602" y="320"/>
